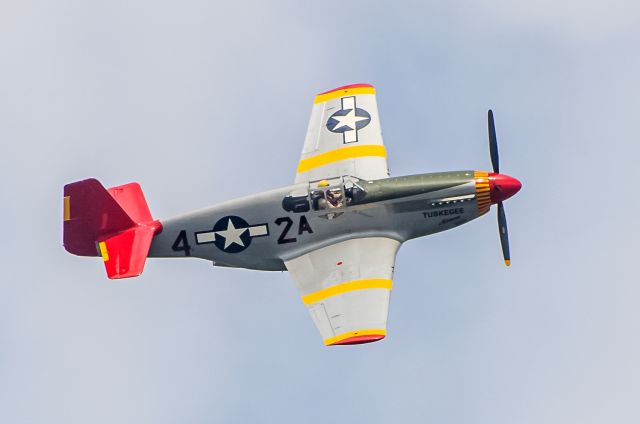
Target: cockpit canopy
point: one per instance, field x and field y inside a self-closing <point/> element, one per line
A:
<point x="334" y="193"/>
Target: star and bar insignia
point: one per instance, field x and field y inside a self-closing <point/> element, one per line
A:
<point x="232" y="234"/>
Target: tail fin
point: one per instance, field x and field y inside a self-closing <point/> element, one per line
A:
<point x="115" y="224"/>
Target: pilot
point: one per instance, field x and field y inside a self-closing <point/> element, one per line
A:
<point x="334" y="197"/>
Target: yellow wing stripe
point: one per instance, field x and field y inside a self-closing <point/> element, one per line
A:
<point x="340" y="337"/>
<point x="343" y="153"/>
<point x="377" y="283"/>
<point x="320" y="98"/>
<point x="103" y="251"/>
<point x="67" y="208"/>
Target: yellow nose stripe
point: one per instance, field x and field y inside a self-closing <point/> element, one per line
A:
<point x="483" y="195"/>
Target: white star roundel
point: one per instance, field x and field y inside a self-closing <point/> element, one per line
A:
<point x="348" y="120"/>
<point x="232" y="234"/>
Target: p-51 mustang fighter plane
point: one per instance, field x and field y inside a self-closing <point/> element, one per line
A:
<point x="337" y="229"/>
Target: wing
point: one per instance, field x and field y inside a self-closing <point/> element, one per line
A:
<point x="346" y="288"/>
<point x="344" y="136"/>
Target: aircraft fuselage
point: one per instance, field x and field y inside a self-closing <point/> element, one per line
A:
<point x="263" y="230"/>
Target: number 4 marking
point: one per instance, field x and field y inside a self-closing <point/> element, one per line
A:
<point x="182" y="244"/>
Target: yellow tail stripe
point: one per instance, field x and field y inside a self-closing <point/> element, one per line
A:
<point x="343" y="153"/>
<point x="340" y="337"/>
<point x="103" y="251"/>
<point x="377" y="283"/>
<point x="342" y="93"/>
<point x="67" y="208"/>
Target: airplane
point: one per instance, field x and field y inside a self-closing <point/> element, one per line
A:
<point x="337" y="229"/>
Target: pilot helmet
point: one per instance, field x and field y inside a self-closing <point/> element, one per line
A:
<point x="323" y="183"/>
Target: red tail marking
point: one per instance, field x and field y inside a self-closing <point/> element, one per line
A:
<point x="131" y="198"/>
<point x="116" y="221"/>
<point x="127" y="252"/>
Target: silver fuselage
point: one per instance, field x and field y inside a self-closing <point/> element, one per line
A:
<point x="399" y="208"/>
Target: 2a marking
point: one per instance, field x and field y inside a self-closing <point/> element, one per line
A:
<point x="303" y="226"/>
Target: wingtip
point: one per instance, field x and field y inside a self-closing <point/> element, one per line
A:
<point x="347" y="87"/>
<point x="359" y="340"/>
<point x="346" y="90"/>
<point x="356" y="337"/>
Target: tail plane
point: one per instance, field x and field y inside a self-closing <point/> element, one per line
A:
<point x="114" y="223"/>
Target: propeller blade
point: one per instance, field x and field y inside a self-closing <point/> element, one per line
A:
<point x="504" y="234"/>
<point x="493" y="144"/>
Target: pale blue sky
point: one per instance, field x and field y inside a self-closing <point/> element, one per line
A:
<point x="204" y="101"/>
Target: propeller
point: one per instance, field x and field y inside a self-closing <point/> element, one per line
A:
<point x="502" y="218"/>
<point x="504" y="234"/>
<point x="493" y="144"/>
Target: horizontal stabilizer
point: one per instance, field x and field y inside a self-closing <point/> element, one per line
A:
<point x="124" y="254"/>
